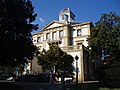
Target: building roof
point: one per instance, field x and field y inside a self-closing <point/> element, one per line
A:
<point x="78" y="23"/>
<point x="57" y="22"/>
<point x="62" y="24"/>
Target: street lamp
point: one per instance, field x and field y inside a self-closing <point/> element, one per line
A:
<point x="76" y="58"/>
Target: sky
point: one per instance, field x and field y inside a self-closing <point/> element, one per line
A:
<point x="84" y="10"/>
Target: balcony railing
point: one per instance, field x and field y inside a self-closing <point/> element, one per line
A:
<point x="75" y="47"/>
<point x="57" y="40"/>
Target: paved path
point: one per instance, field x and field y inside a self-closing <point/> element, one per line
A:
<point x="90" y="81"/>
<point x="40" y="86"/>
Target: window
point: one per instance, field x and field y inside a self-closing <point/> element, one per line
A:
<point x="34" y="40"/>
<point x="47" y="36"/>
<point x="79" y="32"/>
<point x="71" y="41"/>
<point x="79" y="45"/>
<point x="65" y="17"/>
<point x="54" y="36"/>
<point x="62" y="17"/>
<point x="38" y="39"/>
<point x="61" y="34"/>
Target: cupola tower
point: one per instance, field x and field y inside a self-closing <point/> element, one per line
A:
<point x="66" y="15"/>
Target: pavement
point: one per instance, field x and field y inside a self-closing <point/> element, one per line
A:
<point x="40" y="86"/>
<point x="33" y="86"/>
<point x="90" y="81"/>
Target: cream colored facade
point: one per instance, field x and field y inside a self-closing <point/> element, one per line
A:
<point x="71" y="36"/>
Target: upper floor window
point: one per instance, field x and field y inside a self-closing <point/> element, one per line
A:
<point x="79" y="32"/>
<point x="34" y="40"/>
<point x="47" y="36"/>
<point x="62" y="17"/>
<point x="54" y="36"/>
<point x="38" y="39"/>
<point x="61" y="33"/>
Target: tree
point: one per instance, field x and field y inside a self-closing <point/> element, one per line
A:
<point x="105" y="41"/>
<point x="106" y="36"/>
<point x="16" y="17"/>
<point x="56" y="59"/>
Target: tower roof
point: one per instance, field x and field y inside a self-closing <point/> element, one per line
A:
<point x="66" y="10"/>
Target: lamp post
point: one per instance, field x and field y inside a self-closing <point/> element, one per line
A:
<point x="76" y="58"/>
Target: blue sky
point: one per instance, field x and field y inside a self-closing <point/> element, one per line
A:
<point x="84" y="10"/>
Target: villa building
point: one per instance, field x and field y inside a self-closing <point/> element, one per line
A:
<point x="72" y="37"/>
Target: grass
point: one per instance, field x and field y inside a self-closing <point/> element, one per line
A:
<point x="89" y="86"/>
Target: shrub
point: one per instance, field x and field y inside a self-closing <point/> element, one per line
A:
<point x="110" y="75"/>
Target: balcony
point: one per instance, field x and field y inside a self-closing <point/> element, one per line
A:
<point x="75" y="47"/>
<point x="56" y="40"/>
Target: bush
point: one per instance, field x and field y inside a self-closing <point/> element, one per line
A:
<point x="110" y="75"/>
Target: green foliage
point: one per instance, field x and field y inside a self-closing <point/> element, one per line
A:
<point x="110" y="74"/>
<point x="16" y="17"/>
<point x="55" y="57"/>
<point x="89" y="86"/>
<point x="105" y="37"/>
<point x="6" y="69"/>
